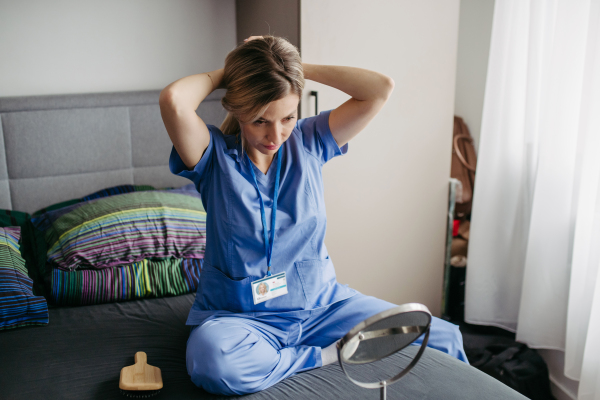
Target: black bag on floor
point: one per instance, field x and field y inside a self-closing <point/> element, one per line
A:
<point x="517" y="366"/>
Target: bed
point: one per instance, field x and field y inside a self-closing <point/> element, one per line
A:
<point x="62" y="153"/>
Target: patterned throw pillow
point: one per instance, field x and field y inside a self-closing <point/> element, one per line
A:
<point x="121" y="243"/>
<point x="111" y="191"/>
<point x="124" y="229"/>
<point x="147" y="278"/>
<point x="18" y="305"/>
<point x="33" y="246"/>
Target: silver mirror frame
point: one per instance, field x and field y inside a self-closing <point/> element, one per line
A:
<point x="355" y="335"/>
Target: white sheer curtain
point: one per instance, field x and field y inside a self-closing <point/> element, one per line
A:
<point x="534" y="251"/>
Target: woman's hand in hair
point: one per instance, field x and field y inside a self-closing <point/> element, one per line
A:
<point x="178" y="103"/>
<point x="369" y="90"/>
<point x="252" y="38"/>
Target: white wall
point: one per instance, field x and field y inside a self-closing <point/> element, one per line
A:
<point x="387" y="198"/>
<point x="72" y="46"/>
<point x="474" y="34"/>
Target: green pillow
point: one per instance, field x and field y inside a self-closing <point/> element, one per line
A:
<point x="147" y="243"/>
<point x="123" y="229"/>
<point x="147" y="278"/>
<point x="13" y="218"/>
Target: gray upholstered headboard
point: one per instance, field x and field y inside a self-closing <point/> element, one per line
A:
<point x="56" y="148"/>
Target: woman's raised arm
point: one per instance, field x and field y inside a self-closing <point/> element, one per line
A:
<point x="178" y="103"/>
<point x="369" y="90"/>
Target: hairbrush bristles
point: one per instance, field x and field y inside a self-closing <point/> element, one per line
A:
<point x="140" y="394"/>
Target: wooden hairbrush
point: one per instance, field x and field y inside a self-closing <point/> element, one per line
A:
<point x="141" y="379"/>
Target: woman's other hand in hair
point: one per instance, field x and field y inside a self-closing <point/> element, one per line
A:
<point x="178" y="103"/>
<point x="252" y="38"/>
<point x="369" y="91"/>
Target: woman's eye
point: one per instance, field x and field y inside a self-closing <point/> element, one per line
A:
<point x="258" y="122"/>
<point x="289" y="118"/>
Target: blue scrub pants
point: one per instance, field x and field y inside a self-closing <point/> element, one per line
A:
<point x="239" y="355"/>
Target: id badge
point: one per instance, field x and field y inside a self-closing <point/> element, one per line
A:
<point x="269" y="287"/>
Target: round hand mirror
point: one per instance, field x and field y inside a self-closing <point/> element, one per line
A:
<point x="382" y="335"/>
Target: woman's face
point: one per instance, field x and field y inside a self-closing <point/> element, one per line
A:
<point x="269" y="132"/>
<point x="262" y="289"/>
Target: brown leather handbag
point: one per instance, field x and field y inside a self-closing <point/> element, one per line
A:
<point x="464" y="161"/>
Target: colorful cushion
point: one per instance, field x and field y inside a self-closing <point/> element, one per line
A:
<point x="33" y="246"/>
<point x="18" y="305"/>
<point x="147" y="278"/>
<point x="111" y="191"/>
<point x="153" y="276"/>
<point x="124" y="229"/>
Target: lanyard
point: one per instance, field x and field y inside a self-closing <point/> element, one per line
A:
<point x="268" y="244"/>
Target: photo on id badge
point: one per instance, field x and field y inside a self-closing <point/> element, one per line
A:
<point x="269" y="288"/>
<point x="262" y="290"/>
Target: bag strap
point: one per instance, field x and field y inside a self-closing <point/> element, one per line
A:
<point x="464" y="162"/>
<point x="486" y="355"/>
<point x="504" y="356"/>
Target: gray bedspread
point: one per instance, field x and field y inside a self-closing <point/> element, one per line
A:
<point x="80" y="353"/>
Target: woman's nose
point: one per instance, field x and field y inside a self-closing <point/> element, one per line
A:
<point x="276" y="133"/>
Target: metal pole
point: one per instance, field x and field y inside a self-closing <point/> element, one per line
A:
<point x="382" y="392"/>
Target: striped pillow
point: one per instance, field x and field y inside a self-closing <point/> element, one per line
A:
<point x="18" y="305"/>
<point x="33" y="246"/>
<point x="111" y="191"/>
<point x="124" y="229"/>
<point x="147" y="278"/>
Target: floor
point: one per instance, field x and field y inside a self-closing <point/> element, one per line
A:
<point x="477" y="337"/>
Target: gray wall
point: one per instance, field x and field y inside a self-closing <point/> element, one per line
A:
<point x="262" y="17"/>
<point x="72" y="46"/>
<point x="474" y="35"/>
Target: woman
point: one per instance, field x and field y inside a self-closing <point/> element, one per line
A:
<point x="262" y="289"/>
<point x="259" y="177"/>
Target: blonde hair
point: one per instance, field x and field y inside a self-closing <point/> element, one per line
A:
<point x="256" y="73"/>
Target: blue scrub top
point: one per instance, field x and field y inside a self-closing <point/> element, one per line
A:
<point x="235" y="249"/>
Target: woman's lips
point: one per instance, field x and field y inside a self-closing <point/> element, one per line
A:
<point x="274" y="147"/>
